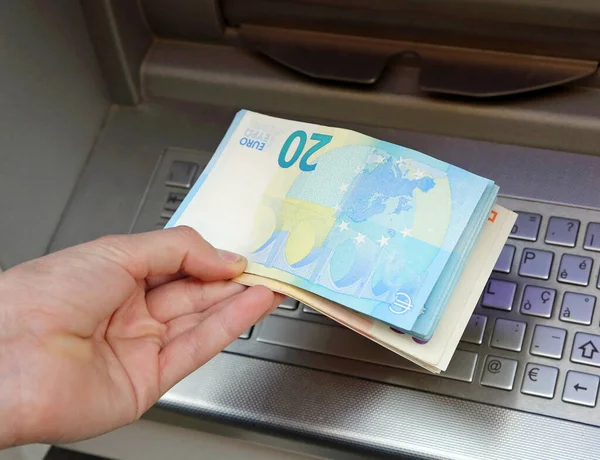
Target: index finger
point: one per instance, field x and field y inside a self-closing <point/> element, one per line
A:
<point x="169" y="251"/>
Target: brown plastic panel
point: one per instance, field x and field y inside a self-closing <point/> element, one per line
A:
<point x="192" y="20"/>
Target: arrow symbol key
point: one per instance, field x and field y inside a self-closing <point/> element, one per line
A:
<point x="586" y="349"/>
<point x="581" y="388"/>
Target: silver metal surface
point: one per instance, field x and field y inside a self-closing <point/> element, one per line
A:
<point x="539" y="380"/>
<point x="581" y="388"/>
<point x="504" y="262"/>
<point x="536" y="264"/>
<point x="577" y="308"/>
<point x="548" y="341"/>
<point x="364" y="415"/>
<point x="499" y="294"/>
<point x="336" y="341"/>
<point x="575" y="269"/>
<point x="562" y="232"/>
<point x="508" y="334"/>
<point x="342" y="342"/>
<point x="499" y="373"/>
<point x="526" y="227"/>
<point x="538" y="301"/>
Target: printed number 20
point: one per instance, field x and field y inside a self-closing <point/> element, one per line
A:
<point x="322" y="141"/>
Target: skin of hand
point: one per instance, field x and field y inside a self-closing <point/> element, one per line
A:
<point x="91" y="336"/>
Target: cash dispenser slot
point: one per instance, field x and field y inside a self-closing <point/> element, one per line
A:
<point x="443" y="69"/>
<point x="474" y="49"/>
<point x="477" y="49"/>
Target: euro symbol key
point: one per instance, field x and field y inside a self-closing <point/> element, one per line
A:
<point x="533" y="373"/>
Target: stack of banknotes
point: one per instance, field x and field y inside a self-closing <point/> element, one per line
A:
<point x="388" y="241"/>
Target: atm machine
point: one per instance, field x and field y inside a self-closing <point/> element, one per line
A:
<point x="112" y="108"/>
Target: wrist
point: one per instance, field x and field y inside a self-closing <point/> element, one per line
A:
<point x="11" y="411"/>
<point x="11" y="433"/>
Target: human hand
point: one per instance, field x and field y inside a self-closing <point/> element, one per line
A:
<point x="92" y="336"/>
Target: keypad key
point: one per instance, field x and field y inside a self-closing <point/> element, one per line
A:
<point x="312" y="311"/>
<point x="508" y="335"/>
<point x="536" y="263"/>
<point x="174" y="200"/>
<point x="526" y="227"/>
<point x="577" y="308"/>
<point x="166" y="214"/>
<point x="475" y="330"/>
<point x="462" y="366"/>
<point x="539" y="380"/>
<point x="562" y="232"/>
<point x="581" y="388"/>
<point x="182" y="174"/>
<point x="538" y="301"/>
<point x="575" y="269"/>
<point x="246" y="334"/>
<point x="288" y="304"/>
<point x="592" y="237"/>
<point x="586" y="349"/>
<point x="505" y="260"/>
<point x="499" y="373"/>
<point x="499" y="294"/>
<point x="548" y="342"/>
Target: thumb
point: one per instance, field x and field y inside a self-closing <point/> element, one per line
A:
<point x="169" y="251"/>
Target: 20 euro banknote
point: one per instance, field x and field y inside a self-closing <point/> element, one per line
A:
<point x="364" y="223"/>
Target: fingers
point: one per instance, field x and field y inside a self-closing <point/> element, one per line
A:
<point x="186" y="296"/>
<point x="155" y="281"/>
<point x="195" y="347"/>
<point x="277" y="299"/>
<point x="167" y="252"/>
<point x="181" y="324"/>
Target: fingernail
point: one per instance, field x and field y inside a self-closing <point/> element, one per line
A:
<point x="229" y="257"/>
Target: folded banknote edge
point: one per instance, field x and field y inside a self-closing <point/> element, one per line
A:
<point x="364" y="325"/>
<point x="458" y="260"/>
<point x="440" y="349"/>
<point x="343" y="315"/>
<point x="479" y="286"/>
